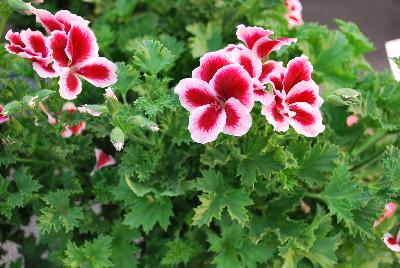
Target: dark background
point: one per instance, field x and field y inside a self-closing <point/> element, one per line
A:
<point x="379" y="20"/>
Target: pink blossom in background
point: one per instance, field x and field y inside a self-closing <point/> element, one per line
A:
<point x="294" y="13"/>
<point x="32" y="46"/>
<point x="31" y="229"/>
<point x="369" y="131"/>
<point x="10" y="252"/>
<point x="102" y="160"/>
<point x="297" y="102"/>
<point x="3" y="118"/>
<point x="221" y="105"/>
<point x="69" y="130"/>
<point x="390" y="209"/>
<point x="391" y="242"/>
<point x="352" y="120"/>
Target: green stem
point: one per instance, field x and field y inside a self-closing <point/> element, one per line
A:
<point x="368" y="143"/>
<point x="313" y="195"/>
<point x="140" y="140"/>
<point x="3" y="24"/>
<point x="368" y="160"/>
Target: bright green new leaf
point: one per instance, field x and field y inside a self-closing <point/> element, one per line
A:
<point x="153" y="57"/>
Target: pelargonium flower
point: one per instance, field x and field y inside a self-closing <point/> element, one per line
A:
<point x="102" y="160"/>
<point x="293" y="15"/>
<point x="352" y="120"/>
<point x="296" y="101"/>
<point x="68" y="130"/>
<point x="211" y="62"/>
<point x="31" y="45"/>
<point x="257" y="39"/>
<point x="61" y="21"/>
<point x="3" y="118"/>
<point x="76" y="54"/>
<point x="221" y="105"/>
<point x="390" y="209"/>
<point x="391" y="242"/>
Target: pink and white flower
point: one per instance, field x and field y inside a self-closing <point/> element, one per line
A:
<point x="297" y="101"/>
<point x="221" y="104"/>
<point x="352" y="120"/>
<point x="390" y="209"/>
<point x="3" y="118"/>
<point x="61" y="21"/>
<point x="392" y="243"/>
<point x="257" y="39"/>
<point x="102" y="160"/>
<point x="32" y="46"/>
<point x="293" y="15"/>
<point x="76" y="54"/>
<point x="70" y="130"/>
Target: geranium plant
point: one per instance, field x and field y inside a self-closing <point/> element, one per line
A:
<point x="193" y="134"/>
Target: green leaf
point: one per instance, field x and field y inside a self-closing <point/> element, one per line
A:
<point x="128" y="78"/>
<point x="25" y="186"/>
<point x="178" y="251"/>
<point x="59" y="213"/>
<point x="342" y="195"/>
<point x="323" y="251"/>
<point x="153" y="57"/>
<point x="124" y="253"/>
<point x="205" y="38"/>
<point x="146" y="212"/>
<point x="218" y="195"/>
<point x="95" y="254"/>
<point x="152" y="107"/>
<point x="255" y="161"/>
<point x="357" y="39"/>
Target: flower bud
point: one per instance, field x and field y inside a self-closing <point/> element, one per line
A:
<point x="20" y="6"/>
<point x="111" y="101"/>
<point x="117" y="138"/>
<point x="343" y="97"/>
<point x="92" y="109"/>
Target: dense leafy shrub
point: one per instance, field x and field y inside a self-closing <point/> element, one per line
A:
<point x="265" y="199"/>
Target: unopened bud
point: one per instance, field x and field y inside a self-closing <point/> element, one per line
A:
<point x="111" y="101"/>
<point x="343" y="97"/>
<point x="94" y="109"/>
<point x="117" y="138"/>
<point x="20" y="6"/>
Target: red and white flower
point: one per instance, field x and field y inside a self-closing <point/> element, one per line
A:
<point x="293" y="15"/>
<point x="61" y="21"/>
<point x="257" y="39"/>
<point x="70" y="130"/>
<point x="391" y="242"/>
<point x="76" y="54"/>
<point x="3" y="118"/>
<point x="31" y="45"/>
<point x="296" y="101"/>
<point x="102" y="160"/>
<point x="390" y="209"/>
<point x="221" y="104"/>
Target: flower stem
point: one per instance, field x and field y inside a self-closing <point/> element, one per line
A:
<point x="3" y="25"/>
<point x="368" y="143"/>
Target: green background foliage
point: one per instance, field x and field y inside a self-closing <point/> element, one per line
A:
<point x="266" y="199"/>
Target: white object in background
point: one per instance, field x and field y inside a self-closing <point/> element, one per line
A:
<point x="393" y="51"/>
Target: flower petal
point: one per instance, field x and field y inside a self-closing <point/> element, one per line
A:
<point x="44" y="71"/>
<point x="48" y="20"/>
<point x="294" y="19"/>
<point x="210" y="63"/>
<point x="249" y="35"/>
<point x="264" y="46"/>
<point x="263" y="96"/>
<point x="391" y="242"/>
<point x="70" y="85"/>
<point x="3" y="118"/>
<point x="100" y="72"/>
<point x="194" y="93"/>
<point x="248" y="60"/>
<point x="273" y="116"/>
<point x="205" y="123"/>
<point x="232" y="81"/>
<point x="67" y="18"/>
<point x="81" y="45"/>
<point x="268" y="68"/>
<point x="14" y="38"/>
<point x="307" y="120"/>
<point x="298" y="69"/>
<point x="305" y="91"/>
<point x="103" y="159"/>
<point x="238" y="118"/>
<point x="35" y="41"/>
<point x="69" y="107"/>
<point x="77" y="129"/>
<point x="57" y="43"/>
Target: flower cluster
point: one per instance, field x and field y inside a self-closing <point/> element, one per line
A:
<point x="293" y="15"/>
<point x="70" y="52"/>
<point x="221" y="92"/>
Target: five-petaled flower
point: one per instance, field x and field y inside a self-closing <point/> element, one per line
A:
<point x="102" y="160"/>
<point x="221" y="105"/>
<point x="297" y="101"/>
<point x="3" y="118"/>
<point x="293" y="15"/>
<point x="76" y="54"/>
<point x="391" y="242"/>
